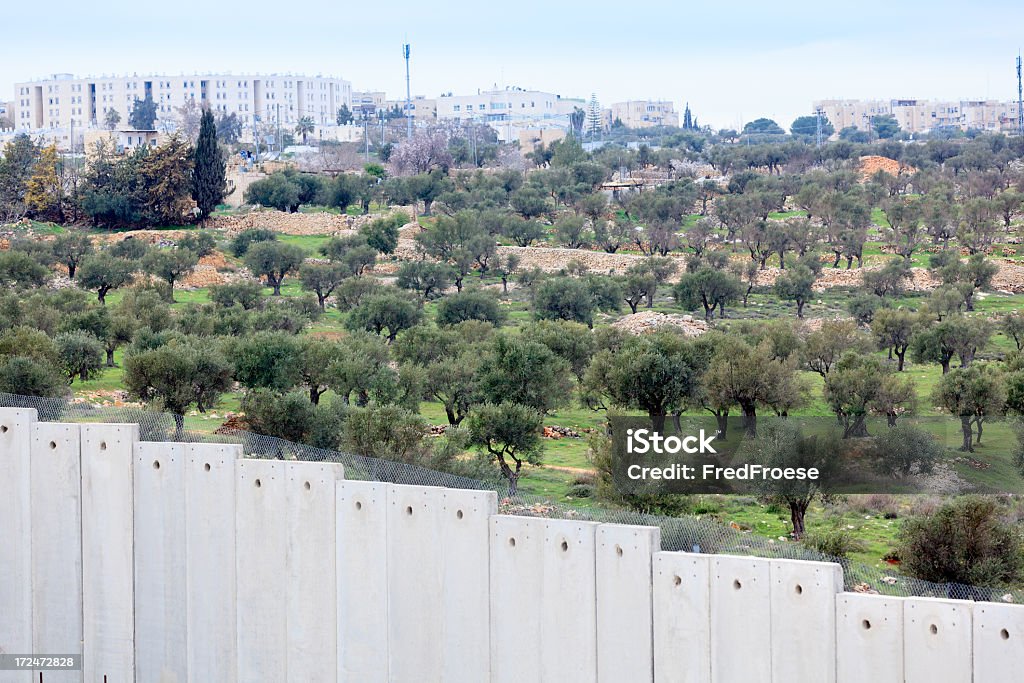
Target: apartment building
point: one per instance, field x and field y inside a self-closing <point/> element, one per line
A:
<point x="422" y="108"/>
<point x="64" y="100"/>
<point x="505" y="105"/>
<point x="645" y="113"/>
<point x="919" y="116"/>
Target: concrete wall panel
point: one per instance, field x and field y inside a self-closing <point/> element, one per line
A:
<point x="998" y="641"/>
<point x="625" y="636"/>
<point x="803" y="608"/>
<point x="569" y="602"/>
<point x="312" y="581"/>
<point x="682" y="618"/>
<point x="937" y="641"/>
<point x="56" y="542"/>
<point x="415" y="581"/>
<point x="517" y="573"/>
<point x="261" y="566"/>
<point x="361" y="551"/>
<point x="161" y="593"/>
<point x="210" y="570"/>
<point x="15" y="536"/>
<point x="741" y="637"/>
<point x="869" y="638"/>
<point x="465" y="592"/>
<point x="108" y="558"/>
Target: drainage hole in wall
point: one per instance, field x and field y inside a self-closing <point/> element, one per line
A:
<point x="799" y="589"/>
<point x="359" y="505"/>
<point x="565" y="546"/>
<point x="865" y="624"/>
<point x="103" y="445"/>
<point x="258" y="483"/>
<point x="736" y="584"/>
<point x="1004" y="634"/>
<point x="677" y="580"/>
<point x="206" y="467"/>
<point x="618" y="550"/>
<point x="459" y="514"/>
<point x="156" y="464"/>
<point x="306" y="486"/>
<point x="3" y="429"/>
<point x="512" y="541"/>
<point x="53" y="445"/>
<point x="933" y="629"/>
<point x="408" y="510"/>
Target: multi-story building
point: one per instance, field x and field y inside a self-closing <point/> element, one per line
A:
<point x="919" y="116"/>
<point x="645" y="113"/>
<point x="422" y="108"/>
<point x="509" y="104"/>
<point x="63" y="100"/>
<point x="372" y="102"/>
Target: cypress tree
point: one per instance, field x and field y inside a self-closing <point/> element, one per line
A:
<point x="208" y="183"/>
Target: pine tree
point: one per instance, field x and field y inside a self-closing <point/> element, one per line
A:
<point x="208" y="183"/>
<point x="594" y="116"/>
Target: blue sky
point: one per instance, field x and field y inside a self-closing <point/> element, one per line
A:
<point x="732" y="62"/>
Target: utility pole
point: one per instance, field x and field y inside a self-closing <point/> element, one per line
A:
<point x="280" y="145"/>
<point x="1020" y="102"/>
<point x="817" y="114"/>
<point x="408" y="95"/>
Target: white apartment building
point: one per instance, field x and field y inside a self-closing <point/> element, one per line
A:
<point x="64" y="100"/>
<point x="919" y="116"/>
<point x="505" y="105"/>
<point x="645" y="113"/>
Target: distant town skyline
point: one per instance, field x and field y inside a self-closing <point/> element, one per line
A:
<point x="732" y="66"/>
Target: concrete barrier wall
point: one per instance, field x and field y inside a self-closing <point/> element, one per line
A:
<point x="185" y="562"/>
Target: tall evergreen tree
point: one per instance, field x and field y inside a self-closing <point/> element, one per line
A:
<point x="143" y="113"/>
<point x="208" y="184"/>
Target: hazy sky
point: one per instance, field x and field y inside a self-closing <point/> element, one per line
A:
<point x="733" y="62"/>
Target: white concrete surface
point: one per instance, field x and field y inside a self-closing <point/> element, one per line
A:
<point x="210" y="571"/>
<point x="741" y="635"/>
<point x="517" y="573"/>
<point x="261" y="568"/>
<point x="15" y="536"/>
<point x="108" y="557"/>
<point x="682" y="618"/>
<point x="998" y="641"/>
<point x="937" y="637"/>
<point x="465" y="590"/>
<point x="161" y="584"/>
<point x="568" y="602"/>
<point x="625" y="635"/>
<point x="869" y="638"/>
<point x="362" y="581"/>
<point x="312" y="582"/>
<point x="803" y="609"/>
<point x="56" y="543"/>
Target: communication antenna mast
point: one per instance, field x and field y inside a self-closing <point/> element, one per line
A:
<point x="408" y="94"/>
<point x="1020" y="101"/>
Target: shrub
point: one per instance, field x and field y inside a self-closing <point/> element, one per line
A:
<point x="470" y="305"/>
<point x="835" y="542"/>
<point x="966" y="542"/>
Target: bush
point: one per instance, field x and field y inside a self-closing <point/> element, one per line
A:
<point x="965" y="542"/>
<point x="30" y="377"/>
<point x="470" y="305"/>
<point x="581" y="491"/>
<point x="835" y="542"/>
<point x="200" y="243"/>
